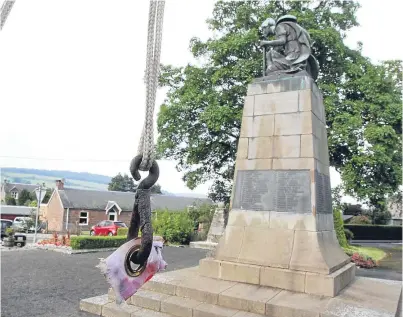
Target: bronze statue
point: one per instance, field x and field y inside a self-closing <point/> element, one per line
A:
<point x="290" y="51"/>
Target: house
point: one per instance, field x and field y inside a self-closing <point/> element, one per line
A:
<point x="14" y="189"/>
<point x="71" y="208"/>
<point x="10" y="212"/>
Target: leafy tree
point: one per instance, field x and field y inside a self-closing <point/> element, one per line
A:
<point x="156" y="189"/>
<point x="122" y="183"/>
<point x="353" y="210"/>
<point x="23" y="197"/>
<point x="199" y="123"/>
<point x="10" y="200"/>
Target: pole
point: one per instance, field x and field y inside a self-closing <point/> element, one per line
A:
<point x="37" y="213"/>
<point x="264" y="61"/>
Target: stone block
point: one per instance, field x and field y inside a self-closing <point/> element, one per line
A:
<point x="283" y="102"/>
<point x="239" y="272"/>
<point x="208" y="310"/>
<point x="324" y="222"/>
<point x="263" y="126"/>
<point x="246" y="127"/>
<point x="283" y="279"/>
<point x="148" y="299"/>
<point x="242" y="151"/>
<point x="114" y="310"/>
<point x="301" y="163"/>
<point x="293" y="123"/>
<point x="244" y="165"/>
<point x="317" y="252"/>
<point x="260" y="148"/>
<point x="210" y="267"/>
<point x="251" y="298"/>
<point x="329" y="285"/>
<point x="206" y="245"/>
<point x="167" y="282"/>
<point x="149" y="313"/>
<point x="292" y="221"/>
<point x="201" y="289"/>
<point x="307" y="146"/>
<point x="256" y="89"/>
<point x="177" y="306"/>
<point x="288" y="303"/>
<point x="258" y="247"/>
<point x="229" y="246"/>
<point x="247" y="218"/>
<point x="286" y="146"/>
<point x="248" y="106"/>
<point x="94" y="305"/>
<point x="246" y="314"/>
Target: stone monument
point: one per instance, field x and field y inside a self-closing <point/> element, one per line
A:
<point x="215" y="232"/>
<point x="279" y="255"/>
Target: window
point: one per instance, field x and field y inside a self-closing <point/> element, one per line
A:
<point x="112" y="216"/>
<point x="83" y="218"/>
<point x="108" y="223"/>
<point x="14" y="194"/>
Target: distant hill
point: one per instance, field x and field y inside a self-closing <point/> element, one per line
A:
<point x="73" y="179"/>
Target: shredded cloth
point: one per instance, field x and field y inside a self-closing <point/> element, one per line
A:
<point x="114" y="270"/>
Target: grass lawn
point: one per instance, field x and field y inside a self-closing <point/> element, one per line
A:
<point x="374" y="253"/>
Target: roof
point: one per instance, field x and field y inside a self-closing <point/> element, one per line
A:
<point x="9" y="186"/>
<point x="16" y="210"/>
<point x="347" y="217"/>
<point x="101" y="199"/>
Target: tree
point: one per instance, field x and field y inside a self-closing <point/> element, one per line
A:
<point x="353" y="210"/>
<point x="10" y="200"/>
<point x="199" y="122"/>
<point x="122" y="183"/>
<point x="156" y="189"/>
<point x="24" y="197"/>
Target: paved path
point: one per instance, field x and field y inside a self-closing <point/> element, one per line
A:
<point x="51" y="284"/>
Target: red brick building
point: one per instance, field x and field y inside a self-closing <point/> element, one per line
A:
<point x="68" y="208"/>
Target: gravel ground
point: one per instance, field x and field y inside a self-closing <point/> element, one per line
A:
<point x="51" y="284"/>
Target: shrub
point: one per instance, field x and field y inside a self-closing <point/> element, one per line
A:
<point x="360" y="220"/>
<point x="10" y="232"/>
<point x="375" y="232"/>
<point x="338" y="227"/>
<point x="363" y="261"/>
<point x="174" y="227"/>
<point x="82" y="242"/>
<point x="122" y="231"/>
<point x="349" y="234"/>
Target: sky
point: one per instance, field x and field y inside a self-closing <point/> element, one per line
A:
<point x="72" y="95"/>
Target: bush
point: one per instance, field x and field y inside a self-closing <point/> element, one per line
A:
<point x="363" y="261"/>
<point x="349" y="234"/>
<point x="338" y="227"/>
<point x="360" y="220"/>
<point x="375" y="232"/>
<point x="122" y="231"/>
<point x="174" y="227"/>
<point x="82" y="242"/>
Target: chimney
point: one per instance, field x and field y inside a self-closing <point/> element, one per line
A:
<point x="60" y="184"/>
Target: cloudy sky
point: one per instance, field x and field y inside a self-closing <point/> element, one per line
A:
<point x="71" y="78"/>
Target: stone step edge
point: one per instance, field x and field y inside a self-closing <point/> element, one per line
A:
<point x="170" y="306"/>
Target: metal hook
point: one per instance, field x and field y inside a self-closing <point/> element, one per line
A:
<point x="152" y="177"/>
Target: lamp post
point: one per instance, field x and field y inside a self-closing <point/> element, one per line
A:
<point x="39" y="197"/>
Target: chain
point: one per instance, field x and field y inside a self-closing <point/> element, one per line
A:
<point x="146" y="147"/>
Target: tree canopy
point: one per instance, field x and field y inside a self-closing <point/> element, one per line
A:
<point x="199" y="122"/>
<point x="125" y="183"/>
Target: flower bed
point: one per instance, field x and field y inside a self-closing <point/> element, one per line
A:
<point x="56" y="241"/>
<point x="363" y="261"/>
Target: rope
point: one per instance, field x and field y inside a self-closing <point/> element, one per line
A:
<point x="155" y="21"/>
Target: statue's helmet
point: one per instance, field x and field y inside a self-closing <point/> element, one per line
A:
<point x="286" y="18"/>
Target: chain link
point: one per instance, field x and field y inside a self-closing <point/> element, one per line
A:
<point x="146" y="147"/>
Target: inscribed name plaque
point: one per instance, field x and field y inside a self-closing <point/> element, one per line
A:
<point x="323" y="193"/>
<point x="273" y="190"/>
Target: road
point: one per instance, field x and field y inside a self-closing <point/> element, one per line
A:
<point x="48" y="284"/>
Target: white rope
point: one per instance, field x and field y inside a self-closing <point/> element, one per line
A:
<point x="155" y="22"/>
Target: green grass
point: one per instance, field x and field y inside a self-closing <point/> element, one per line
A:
<point x="374" y="253"/>
<point x="50" y="181"/>
<point x="397" y="247"/>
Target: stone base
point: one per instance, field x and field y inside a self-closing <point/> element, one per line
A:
<point x="292" y="280"/>
<point x="208" y="245"/>
<point x="184" y="293"/>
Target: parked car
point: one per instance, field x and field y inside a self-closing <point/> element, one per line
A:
<point x="107" y="228"/>
<point x="5" y="223"/>
<point x="20" y="223"/>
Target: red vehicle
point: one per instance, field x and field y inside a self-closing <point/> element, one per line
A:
<point x="107" y="228"/>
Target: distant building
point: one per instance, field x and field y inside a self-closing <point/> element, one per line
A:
<point x="68" y="208"/>
<point x="395" y="210"/>
<point x="15" y="189"/>
<point x="10" y="212"/>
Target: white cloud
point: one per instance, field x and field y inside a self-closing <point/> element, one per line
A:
<point x="73" y="71"/>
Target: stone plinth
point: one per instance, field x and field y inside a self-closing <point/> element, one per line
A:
<point x="280" y="229"/>
<point x="184" y="293"/>
<point x="215" y="232"/>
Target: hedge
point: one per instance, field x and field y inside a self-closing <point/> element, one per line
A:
<point x="85" y="242"/>
<point x="375" y="232"/>
<point x="122" y="231"/>
<point x="338" y="227"/>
